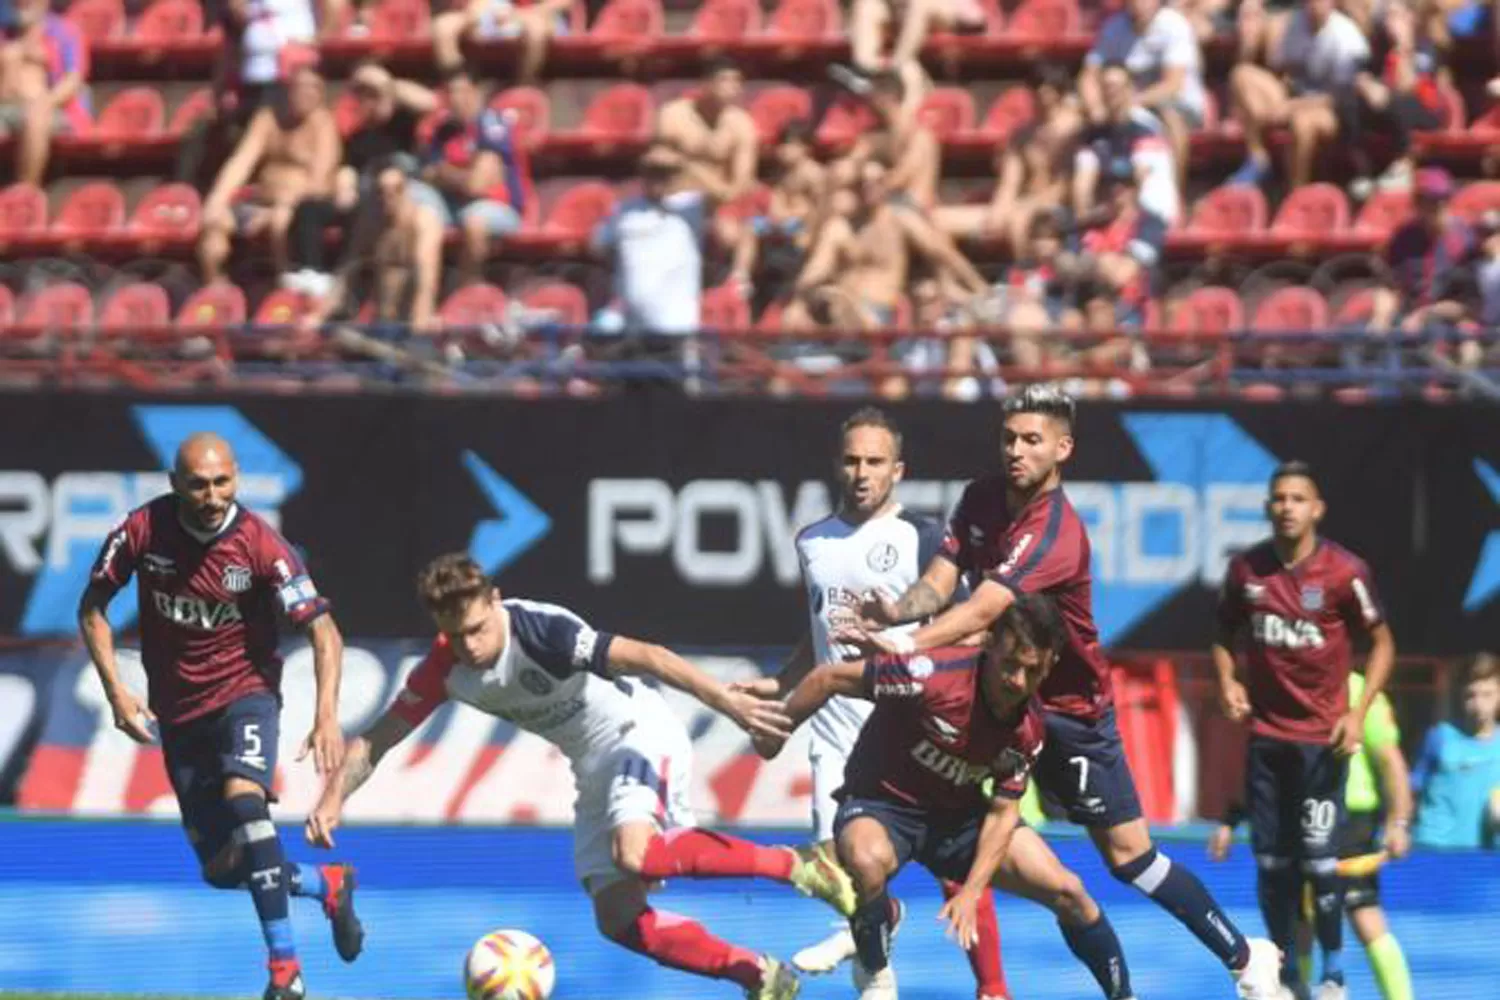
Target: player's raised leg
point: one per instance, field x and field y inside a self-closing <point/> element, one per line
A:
<point x="873" y="843"/>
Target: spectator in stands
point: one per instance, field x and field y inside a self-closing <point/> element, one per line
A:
<point x="655" y="244"/>
<point x="390" y="112"/>
<point x="873" y="25"/>
<point x="900" y="137"/>
<point x="1457" y="776"/>
<point x="1033" y="166"/>
<point x="291" y="151"/>
<point x="534" y="22"/>
<point x="942" y="364"/>
<point x="479" y="169"/>
<point x="1315" y="59"/>
<point x="713" y="134"/>
<point x="1404" y="98"/>
<point x="1159" y="49"/>
<point x="1038" y="299"/>
<point x="44" y="67"/>
<point x="1128" y="133"/>
<point x="1431" y="264"/>
<point x="398" y="248"/>
<point x="785" y="228"/>
<point x="1118" y="266"/>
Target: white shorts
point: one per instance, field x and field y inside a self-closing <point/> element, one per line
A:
<point x="647" y="778"/>
<point x="828" y="762"/>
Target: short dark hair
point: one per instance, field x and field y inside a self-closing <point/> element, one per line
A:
<point x="1033" y="622"/>
<point x="872" y="416"/>
<point x="721" y="64"/>
<point x="1051" y="74"/>
<point x="1294" y="467"/>
<point x="448" y="583"/>
<point x="1486" y="667"/>
<point x="796" y="130"/>
<point x="1044" y="398"/>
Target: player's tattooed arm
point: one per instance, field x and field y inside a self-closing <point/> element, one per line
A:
<point x="958" y="623"/>
<point x="922" y="599"/>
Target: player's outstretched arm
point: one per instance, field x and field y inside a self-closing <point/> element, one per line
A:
<point x="360" y="758"/>
<point x="131" y="715"/>
<point x="995" y="836"/>
<point x="815" y="689"/>
<point x="756" y="716"/>
<point x="326" y="740"/>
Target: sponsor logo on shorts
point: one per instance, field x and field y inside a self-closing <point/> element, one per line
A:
<point x="236" y="579"/>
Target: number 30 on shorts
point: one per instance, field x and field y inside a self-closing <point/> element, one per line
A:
<point x="1319" y="816"/>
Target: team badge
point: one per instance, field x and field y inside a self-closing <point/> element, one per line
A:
<point x="1312" y="598"/>
<point x="1254" y="592"/>
<point x="882" y="557"/>
<point x="920" y="667"/>
<point x="236" y="579"/>
<point x="537" y="684"/>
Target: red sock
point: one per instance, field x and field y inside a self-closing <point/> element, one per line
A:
<point x="696" y="853"/>
<point x="984" y="957"/>
<point x="680" y="943"/>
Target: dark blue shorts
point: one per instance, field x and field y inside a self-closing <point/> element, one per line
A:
<point x="1083" y="769"/>
<point x="238" y="740"/>
<point x="942" y="842"/>
<point x="1294" y="798"/>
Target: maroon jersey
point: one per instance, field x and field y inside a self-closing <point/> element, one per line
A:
<point x="1043" y="548"/>
<point x="1298" y="619"/>
<point x="208" y="608"/>
<point x="932" y="741"/>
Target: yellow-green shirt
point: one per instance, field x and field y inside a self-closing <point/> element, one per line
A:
<point x="1362" y="793"/>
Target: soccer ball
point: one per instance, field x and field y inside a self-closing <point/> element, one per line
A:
<point x="509" y="965"/>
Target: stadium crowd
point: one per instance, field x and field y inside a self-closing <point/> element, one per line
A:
<point x="902" y="243"/>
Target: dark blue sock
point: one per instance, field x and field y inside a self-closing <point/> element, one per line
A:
<point x="1278" y="886"/>
<point x="871" y="926"/>
<point x="1178" y="891"/>
<point x="1328" y="916"/>
<point x="305" y="880"/>
<point x="264" y="868"/>
<point x="1097" y="947"/>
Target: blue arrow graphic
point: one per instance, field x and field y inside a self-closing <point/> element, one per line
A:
<point x="1486" y="579"/>
<point x="498" y="542"/>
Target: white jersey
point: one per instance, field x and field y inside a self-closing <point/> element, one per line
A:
<point x="840" y="563"/>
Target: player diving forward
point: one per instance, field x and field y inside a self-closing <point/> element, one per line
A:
<point x="946" y="721"/>
<point x="1017" y="534"/>
<point x="542" y="668"/>
<point x="212" y="578"/>
<point x="869" y="543"/>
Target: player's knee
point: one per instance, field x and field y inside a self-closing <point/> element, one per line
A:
<point x="868" y="861"/>
<point x="1072" y="902"/>
<point x="628" y="849"/>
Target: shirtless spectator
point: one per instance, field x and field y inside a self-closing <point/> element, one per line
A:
<point x="788" y="222"/>
<point x="1033" y="167"/>
<point x="858" y="265"/>
<point x="399" y="248"/>
<point x="534" y="22"/>
<point x="1316" y="57"/>
<point x="43" y="75"/>
<point x="714" y="136"/>
<point x="900" y="137"/>
<point x="1128" y="133"/>
<point x="291" y="151"/>
<point x="906" y="25"/>
<point x="479" y="170"/>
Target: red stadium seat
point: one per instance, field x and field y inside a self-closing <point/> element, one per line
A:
<point x="1232" y="210"/>
<point x="1211" y="310"/>
<point x="807" y="20"/>
<point x="399" y="20"/>
<point x="1455" y="112"/>
<point x="529" y="109"/>
<point x="1487" y="124"/>
<point x="726" y="20"/>
<point x="135" y="306"/>
<point x="169" y="210"/>
<point x="347" y="114"/>
<point x="7" y="306"/>
<point x="1384" y="213"/>
<point x="637" y="20"/>
<point x="168" y="21"/>
<point x="1312" y="211"/>
<point x="474" y="305"/>
<point x="566" y="302"/>
<point x="580" y="209"/>
<point x="23" y="210"/>
<point x="91" y="210"/>
<point x="62" y="305"/>
<point x="948" y="112"/>
<point x="134" y="113"/>
<point x="97" y="20"/>
<point x="845" y="122"/>
<point x="282" y="308"/>
<point x="1293" y="309"/>
<point x="724" y="308"/>
<point x="1473" y="200"/>
<point x="624" y="112"/>
<point x="1045" y="20"/>
<point x="1013" y="109"/>
<point x="773" y="107"/>
<point x="198" y="104"/>
<point x="219" y="304"/>
<point x="1356" y="308"/>
<point x="770" y="317"/>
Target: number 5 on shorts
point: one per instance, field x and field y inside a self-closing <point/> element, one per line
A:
<point x="250" y="746"/>
<point x="1082" y="763"/>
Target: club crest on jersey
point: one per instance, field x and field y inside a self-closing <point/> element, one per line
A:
<point x="881" y="557"/>
<point x="1312" y="598"/>
<point x="920" y="667"/>
<point x="236" y="579"/>
<point x="1254" y="592"/>
<point x="537" y="684"/>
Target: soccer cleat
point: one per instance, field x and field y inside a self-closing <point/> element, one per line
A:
<point x="828" y="954"/>
<point x="875" y="986"/>
<point x="1260" y="979"/>
<point x="777" y="982"/>
<point x="338" y="906"/>
<point x="286" y="982"/>
<point x="1333" y="991"/>
<point x="817" y="873"/>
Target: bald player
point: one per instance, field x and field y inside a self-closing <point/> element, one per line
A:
<point x="212" y="579"/>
